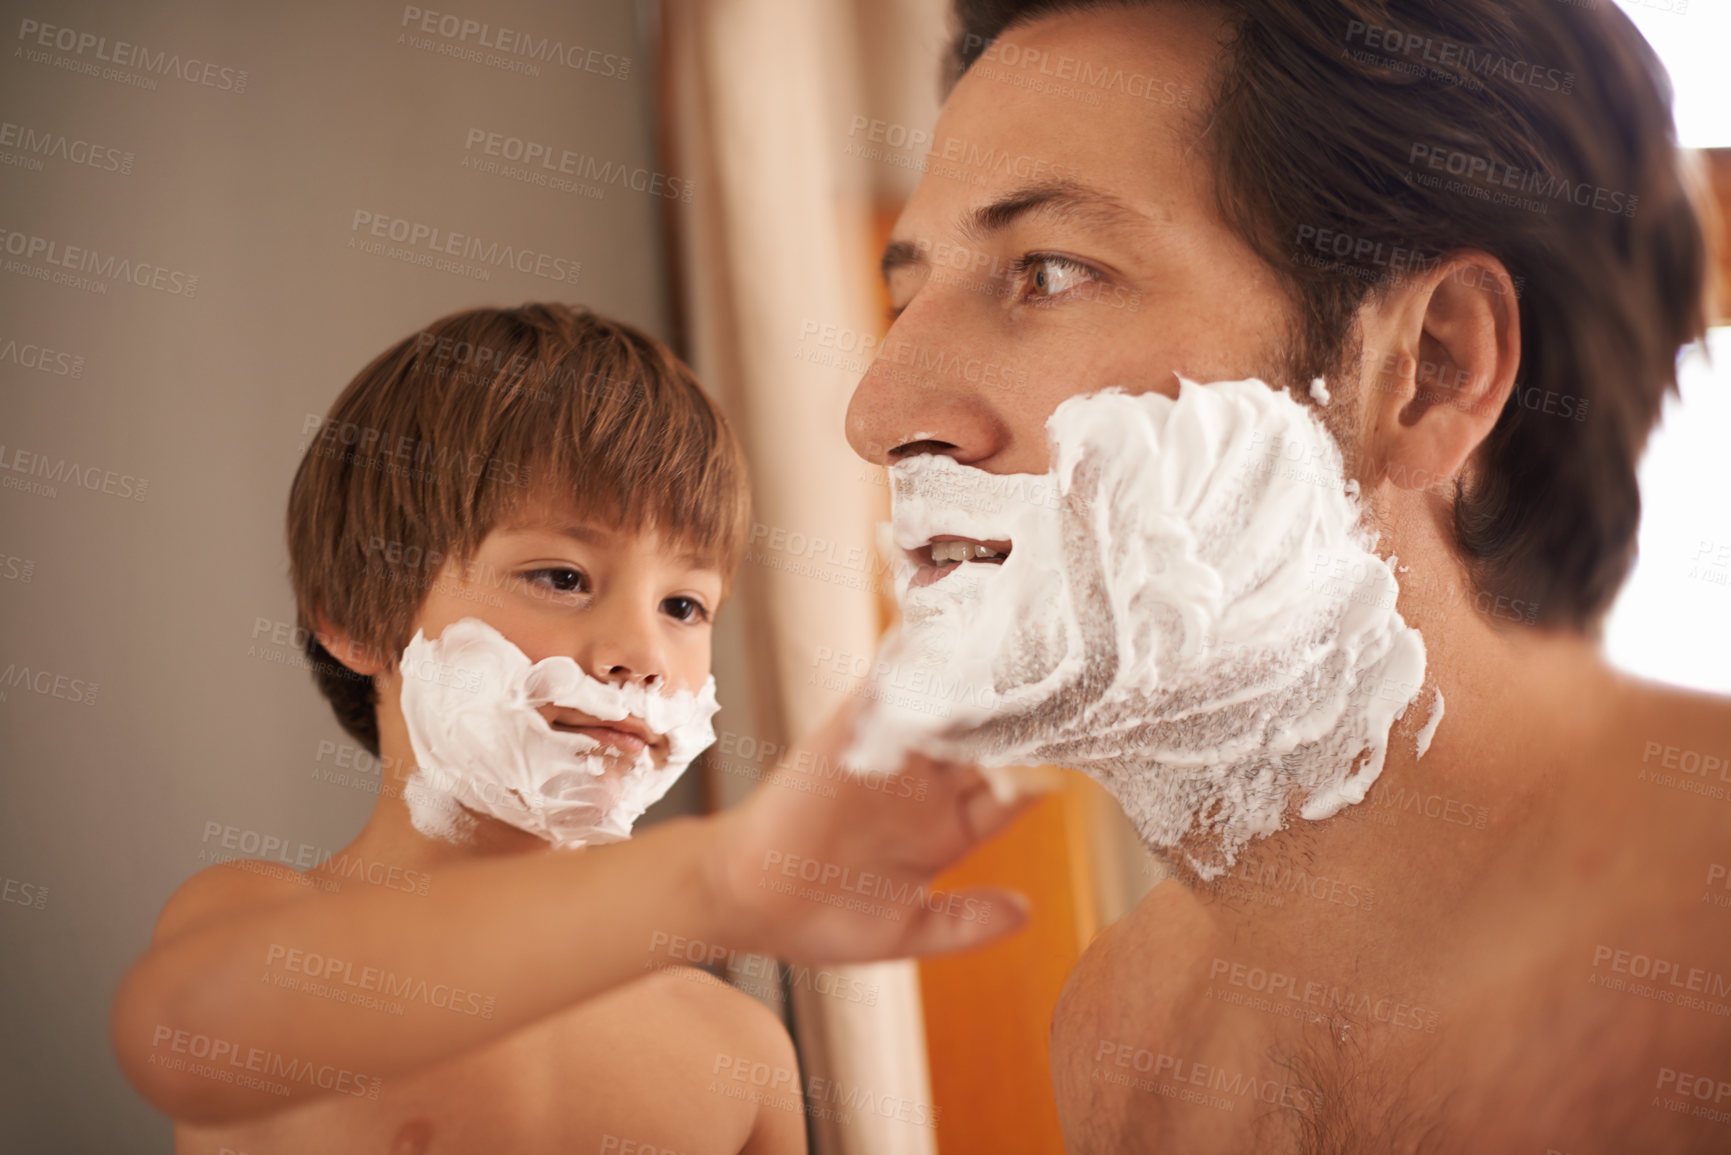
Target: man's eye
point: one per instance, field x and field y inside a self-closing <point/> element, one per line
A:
<point x="684" y="609"/>
<point x="559" y="579"/>
<point x="1049" y="276"/>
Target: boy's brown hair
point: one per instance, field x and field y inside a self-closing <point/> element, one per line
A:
<point x="458" y="427"/>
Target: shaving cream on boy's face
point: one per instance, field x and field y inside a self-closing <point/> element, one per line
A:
<point x="470" y="699"/>
<point x="1190" y="610"/>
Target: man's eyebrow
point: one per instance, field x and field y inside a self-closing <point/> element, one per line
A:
<point x="899" y="255"/>
<point x="1065" y="200"/>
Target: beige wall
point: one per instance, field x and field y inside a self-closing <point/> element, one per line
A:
<point x="195" y="402"/>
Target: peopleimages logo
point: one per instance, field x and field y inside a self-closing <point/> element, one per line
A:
<point x="66" y="471"/>
<point x="429" y="245"/>
<point x="35" y="144"/>
<point x="47" y="684"/>
<point x="542" y="162"/>
<point x="80" y="259"/>
<point x="1539" y="185"/>
<point x="28" y="355"/>
<point x="465" y="38"/>
<point x="1472" y="62"/>
<point x="124" y="54"/>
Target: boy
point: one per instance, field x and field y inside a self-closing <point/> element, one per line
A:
<point x="563" y="480"/>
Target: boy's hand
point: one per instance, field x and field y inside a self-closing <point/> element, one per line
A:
<point x="847" y="878"/>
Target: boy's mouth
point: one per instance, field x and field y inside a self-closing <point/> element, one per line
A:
<point x="946" y="552"/>
<point x="627" y="735"/>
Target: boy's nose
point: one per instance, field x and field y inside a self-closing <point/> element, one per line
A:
<point x="628" y="654"/>
<point x="622" y="674"/>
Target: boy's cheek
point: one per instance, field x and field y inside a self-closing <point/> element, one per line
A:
<point x="694" y="671"/>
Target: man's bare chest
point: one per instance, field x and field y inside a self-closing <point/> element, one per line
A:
<point x="1538" y="1044"/>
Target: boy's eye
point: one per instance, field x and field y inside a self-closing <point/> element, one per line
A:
<point x="559" y="579"/>
<point x="684" y="609"/>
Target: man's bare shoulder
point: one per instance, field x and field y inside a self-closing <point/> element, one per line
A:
<point x="1656" y="794"/>
<point x="1168" y="924"/>
<point x="1119" y="1059"/>
<point x="1681" y="740"/>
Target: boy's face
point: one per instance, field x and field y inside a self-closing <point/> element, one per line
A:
<point x="628" y="607"/>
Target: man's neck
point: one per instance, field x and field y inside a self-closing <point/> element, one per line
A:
<point x="1401" y="864"/>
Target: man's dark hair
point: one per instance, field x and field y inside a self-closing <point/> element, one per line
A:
<point x="1534" y="130"/>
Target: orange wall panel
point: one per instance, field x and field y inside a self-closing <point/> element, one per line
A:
<point x="988" y="1013"/>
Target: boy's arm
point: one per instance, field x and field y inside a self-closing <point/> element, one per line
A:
<point x="779" y="1128"/>
<point x="236" y="991"/>
<point x="822" y="866"/>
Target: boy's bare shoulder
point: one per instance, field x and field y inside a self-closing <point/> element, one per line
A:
<point x="690" y="995"/>
<point x="227" y="888"/>
<point x="650" y="1065"/>
<point x="729" y="1054"/>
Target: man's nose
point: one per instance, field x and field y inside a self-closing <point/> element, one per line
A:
<point x="926" y="391"/>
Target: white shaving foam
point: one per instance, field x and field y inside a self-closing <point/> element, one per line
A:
<point x="1192" y="612"/>
<point x="470" y="699"/>
<point x="1421" y="740"/>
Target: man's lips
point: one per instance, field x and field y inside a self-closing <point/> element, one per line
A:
<point x="931" y="569"/>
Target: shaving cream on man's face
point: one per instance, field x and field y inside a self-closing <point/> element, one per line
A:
<point x="1190" y="610"/>
<point x="470" y="700"/>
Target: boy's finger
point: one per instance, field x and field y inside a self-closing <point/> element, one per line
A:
<point x="836" y="732"/>
<point x="982" y="915"/>
<point x="986" y="811"/>
<point x="1011" y="782"/>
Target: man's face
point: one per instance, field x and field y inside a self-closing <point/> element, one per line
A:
<point x="1155" y="625"/>
<point x="1062" y="242"/>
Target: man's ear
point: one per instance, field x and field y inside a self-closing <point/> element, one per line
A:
<point x="1452" y="347"/>
<point x="363" y="660"/>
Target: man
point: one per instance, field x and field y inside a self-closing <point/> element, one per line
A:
<point x="1471" y="224"/>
